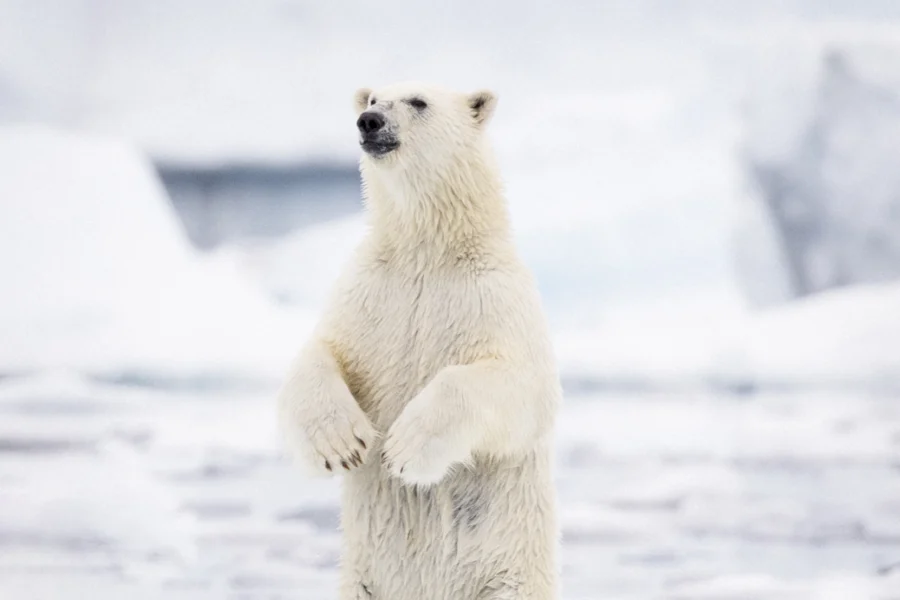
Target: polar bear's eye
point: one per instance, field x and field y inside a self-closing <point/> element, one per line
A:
<point x="372" y="101"/>
<point x="417" y="103"/>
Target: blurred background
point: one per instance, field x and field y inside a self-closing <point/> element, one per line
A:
<point x="707" y="191"/>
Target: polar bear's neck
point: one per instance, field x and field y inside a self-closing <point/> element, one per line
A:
<point x="427" y="211"/>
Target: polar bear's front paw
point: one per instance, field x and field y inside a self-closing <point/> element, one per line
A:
<point x="423" y="444"/>
<point x="341" y="441"/>
<point x="332" y="440"/>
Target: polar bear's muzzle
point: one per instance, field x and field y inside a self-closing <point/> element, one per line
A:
<point x="374" y="137"/>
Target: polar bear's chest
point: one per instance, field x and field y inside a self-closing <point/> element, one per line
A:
<point x="398" y="330"/>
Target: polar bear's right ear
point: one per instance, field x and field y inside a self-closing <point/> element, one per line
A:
<point x="361" y="99"/>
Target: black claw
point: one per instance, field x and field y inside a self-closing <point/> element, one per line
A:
<point x="361" y="443"/>
<point x="401" y="470"/>
<point x="357" y="457"/>
<point x="345" y="465"/>
<point x="327" y="465"/>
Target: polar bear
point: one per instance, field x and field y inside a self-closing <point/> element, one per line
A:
<point x="430" y="381"/>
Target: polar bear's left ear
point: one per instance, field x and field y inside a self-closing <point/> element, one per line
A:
<point x="482" y="105"/>
<point x="361" y="99"/>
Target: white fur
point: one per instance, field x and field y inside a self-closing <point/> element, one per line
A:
<point x="432" y="370"/>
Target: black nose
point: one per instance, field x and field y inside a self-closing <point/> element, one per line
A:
<point x="370" y="122"/>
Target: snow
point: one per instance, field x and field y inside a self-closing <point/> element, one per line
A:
<point x="122" y="491"/>
<point x="846" y="338"/>
<point x="101" y="278"/>
<point x="301" y="269"/>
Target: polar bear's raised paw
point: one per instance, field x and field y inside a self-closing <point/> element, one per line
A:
<point x="341" y="441"/>
<point x="332" y="438"/>
<point x="425" y="442"/>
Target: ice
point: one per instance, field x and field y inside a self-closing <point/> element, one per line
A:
<point x="126" y="491"/>
<point x="302" y="269"/>
<point x="104" y="499"/>
<point x="847" y="337"/>
<point x="100" y="277"/>
<point x="823" y="206"/>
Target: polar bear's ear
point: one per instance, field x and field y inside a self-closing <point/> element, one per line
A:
<point x="482" y="105"/>
<point x="361" y="99"/>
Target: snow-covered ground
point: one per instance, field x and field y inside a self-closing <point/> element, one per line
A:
<point x="114" y="492"/>
<point x="706" y="449"/>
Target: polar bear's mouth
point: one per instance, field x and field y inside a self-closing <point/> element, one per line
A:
<point x="379" y="146"/>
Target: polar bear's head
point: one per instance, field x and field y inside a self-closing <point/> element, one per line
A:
<point x="414" y="125"/>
